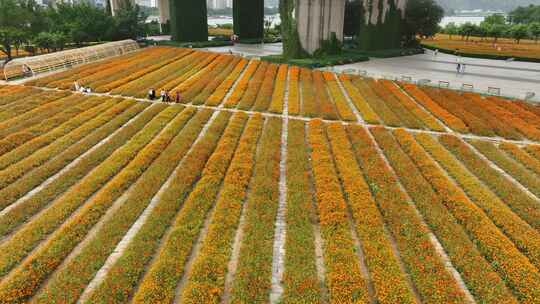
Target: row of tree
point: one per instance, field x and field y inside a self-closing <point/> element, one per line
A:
<point x="494" y="27"/>
<point x="26" y="25"/>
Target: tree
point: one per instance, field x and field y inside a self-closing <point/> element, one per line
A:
<point x="467" y="30"/>
<point x="129" y="21"/>
<point x="451" y="29"/>
<point x="534" y="30"/>
<point x="494" y="19"/>
<point x="525" y="15"/>
<point x="292" y="47"/>
<point x="496" y="31"/>
<point x="519" y="32"/>
<point x="422" y="18"/>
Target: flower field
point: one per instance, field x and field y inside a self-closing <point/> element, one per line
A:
<point x="387" y="192"/>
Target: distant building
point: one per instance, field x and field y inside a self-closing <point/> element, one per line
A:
<point x="218" y="4"/>
<point x="147" y="3"/>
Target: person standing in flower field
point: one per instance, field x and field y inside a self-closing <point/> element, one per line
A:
<point x="178" y="97"/>
<point x="162" y="94"/>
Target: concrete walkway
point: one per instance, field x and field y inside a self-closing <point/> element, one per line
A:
<point x="515" y="79"/>
<point x="250" y="50"/>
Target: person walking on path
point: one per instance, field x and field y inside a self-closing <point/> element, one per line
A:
<point x="462" y="68"/>
<point x="178" y="97"/>
<point x="162" y="94"/>
<point x="458" y="68"/>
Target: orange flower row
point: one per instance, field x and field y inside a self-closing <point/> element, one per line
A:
<point x="310" y="106"/>
<point x="113" y="119"/>
<point x="343" y="108"/>
<point x="134" y="75"/>
<point x="216" y="81"/>
<point x="252" y="280"/>
<point x="278" y="96"/>
<point x="217" y="97"/>
<point x="393" y="103"/>
<point x="533" y="150"/>
<point x="515" y="269"/>
<point x="160" y="281"/>
<point x="209" y="59"/>
<point x="358" y="100"/>
<point x="242" y="85"/>
<point x="456" y="105"/>
<point x="450" y="120"/>
<point x="326" y="107"/>
<point x="384" y="269"/>
<point x="116" y="286"/>
<point x="523" y="205"/>
<point x="377" y="104"/>
<point x="428" y="272"/>
<point x="343" y="277"/>
<point x="440" y="202"/>
<point x="300" y="281"/>
<point x="294" y="90"/>
<point x="24" y="281"/>
<point x="158" y="78"/>
<point x="216" y="249"/>
<point x="512" y="167"/>
<point x="81" y="112"/>
<point x="428" y="120"/>
<point x="201" y="79"/>
<point x="80" y="270"/>
<point x="249" y="97"/>
<point x="503" y="122"/>
<point x="522" y="157"/>
<point x="514" y="108"/>
<point x="264" y="96"/>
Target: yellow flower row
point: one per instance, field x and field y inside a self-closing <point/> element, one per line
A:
<point x="217" y="97"/>
<point x="384" y="270"/>
<point x="294" y="90"/>
<point x="206" y="280"/>
<point x="428" y="120"/>
<point x="138" y="154"/>
<point x="161" y="280"/>
<point x="78" y="272"/>
<point x="300" y="280"/>
<point x="116" y="286"/>
<point x="432" y="280"/>
<point x="343" y="108"/>
<point x="358" y="100"/>
<point x="343" y="278"/>
<point x="514" y="268"/>
<point x="310" y="106"/>
<point x="441" y="203"/>
<point x="116" y="117"/>
<point x="522" y="157"/>
<point x="408" y="119"/>
<point x="264" y="96"/>
<point x="278" y="96"/>
<point x="326" y="107"/>
<point x="250" y="95"/>
<point x="522" y="204"/>
<point x="216" y="81"/>
<point x="376" y="103"/>
<point x="242" y="85"/>
<point x="252" y="279"/>
<point x="449" y="119"/>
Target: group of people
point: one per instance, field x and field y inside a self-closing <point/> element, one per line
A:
<point x="82" y="89"/>
<point x="460" y="68"/>
<point x="164" y="96"/>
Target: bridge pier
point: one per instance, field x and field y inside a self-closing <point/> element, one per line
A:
<point x="317" y="20"/>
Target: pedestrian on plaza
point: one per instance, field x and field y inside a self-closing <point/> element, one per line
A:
<point x="436" y="52"/>
<point x="463" y="69"/>
<point x="162" y="94"/>
<point x="178" y="97"/>
<point x="458" y="68"/>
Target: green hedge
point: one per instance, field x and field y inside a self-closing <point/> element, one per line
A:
<point x="481" y="56"/>
<point x="198" y="44"/>
<point x="341" y="59"/>
<point x="189" y="21"/>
